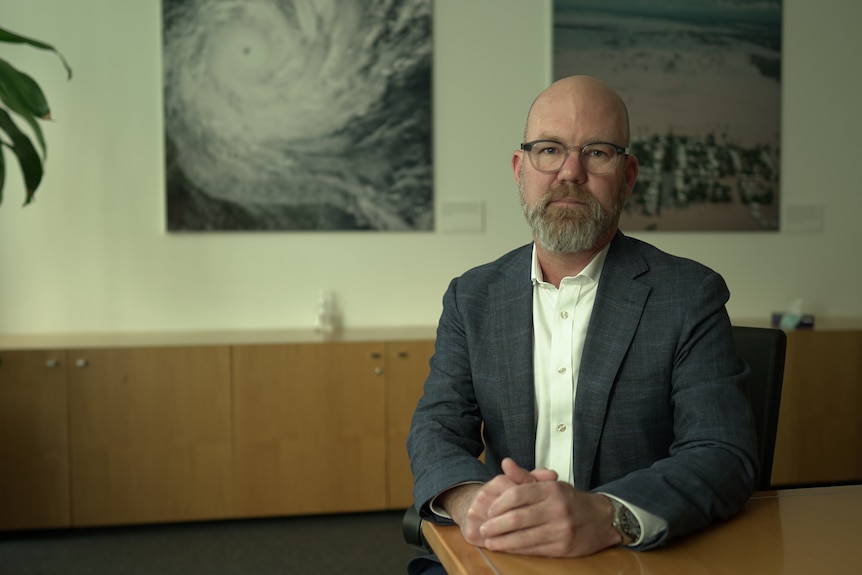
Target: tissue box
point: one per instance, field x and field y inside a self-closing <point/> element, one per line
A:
<point x="788" y="321"/>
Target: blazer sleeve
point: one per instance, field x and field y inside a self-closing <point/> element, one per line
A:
<point x="445" y="439"/>
<point x="708" y="469"/>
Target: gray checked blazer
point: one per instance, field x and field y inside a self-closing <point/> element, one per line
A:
<point x="661" y="419"/>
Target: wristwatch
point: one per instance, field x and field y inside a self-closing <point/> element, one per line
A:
<point x="625" y="522"/>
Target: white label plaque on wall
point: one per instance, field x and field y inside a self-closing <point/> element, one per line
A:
<point x="461" y="216"/>
<point x="802" y="218"/>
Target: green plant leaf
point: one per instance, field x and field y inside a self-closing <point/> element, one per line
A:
<point x="23" y="90"/>
<point x="24" y="99"/>
<point x="37" y="130"/>
<point x="28" y="158"/>
<point x="23" y="96"/>
<point x="12" y="38"/>
<point x="2" y="172"/>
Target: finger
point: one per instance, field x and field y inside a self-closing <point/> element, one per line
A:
<point x="518" y="497"/>
<point x="515" y="472"/>
<point x="526" y="530"/>
<point x="486" y="495"/>
<point x="505" y="520"/>
<point x="524" y="543"/>
<point x="542" y="474"/>
<point x="498" y="485"/>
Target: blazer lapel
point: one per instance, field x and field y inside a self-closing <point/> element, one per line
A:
<point x="620" y="301"/>
<point x="512" y="330"/>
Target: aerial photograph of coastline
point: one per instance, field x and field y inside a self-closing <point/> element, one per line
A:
<point x="702" y="82"/>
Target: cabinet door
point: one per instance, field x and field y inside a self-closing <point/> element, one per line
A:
<point x="407" y="369"/>
<point x="150" y="434"/>
<point x="308" y="428"/>
<point x="820" y="420"/>
<point x="34" y="459"/>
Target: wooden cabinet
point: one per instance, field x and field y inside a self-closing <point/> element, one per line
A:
<point x="309" y="428"/>
<point x="34" y="460"/>
<point x="149" y="434"/>
<point x="820" y="420"/>
<point x="321" y="427"/>
<point x="125" y="435"/>
<point x="114" y="436"/>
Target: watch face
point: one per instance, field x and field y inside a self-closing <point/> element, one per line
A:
<point x="626" y="523"/>
<point x="630" y="524"/>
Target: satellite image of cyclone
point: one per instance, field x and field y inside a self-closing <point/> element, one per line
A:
<point x="292" y="115"/>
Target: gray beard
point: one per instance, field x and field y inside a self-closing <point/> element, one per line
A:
<point x="568" y="230"/>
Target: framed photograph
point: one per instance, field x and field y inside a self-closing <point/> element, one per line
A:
<point x="702" y="82"/>
<point x="290" y="115"/>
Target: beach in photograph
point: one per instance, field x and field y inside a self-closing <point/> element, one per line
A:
<point x="704" y="95"/>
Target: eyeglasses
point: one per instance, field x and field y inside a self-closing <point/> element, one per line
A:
<point x="596" y="158"/>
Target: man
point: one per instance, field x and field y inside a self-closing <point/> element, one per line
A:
<point x="597" y="373"/>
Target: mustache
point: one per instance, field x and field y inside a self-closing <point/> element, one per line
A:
<point x="561" y="191"/>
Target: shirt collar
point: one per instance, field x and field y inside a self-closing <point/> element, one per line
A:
<point x="593" y="270"/>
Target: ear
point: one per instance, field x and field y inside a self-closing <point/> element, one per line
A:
<point x="631" y="174"/>
<point x="517" y="161"/>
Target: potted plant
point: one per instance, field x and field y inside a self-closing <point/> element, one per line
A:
<point x="21" y="96"/>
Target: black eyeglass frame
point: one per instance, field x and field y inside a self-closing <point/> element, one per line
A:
<point x="620" y="150"/>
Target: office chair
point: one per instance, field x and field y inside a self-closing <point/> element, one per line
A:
<point x="411" y="527"/>
<point x="763" y="349"/>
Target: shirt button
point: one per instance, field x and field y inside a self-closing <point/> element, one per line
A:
<point x="561" y="370"/>
<point x="564" y="314"/>
<point x="561" y="427"/>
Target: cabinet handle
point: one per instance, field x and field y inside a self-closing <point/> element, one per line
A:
<point x="81" y="362"/>
<point x="378" y="371"/>
<point x="52" y="363"/>
<point x="376" y="355"/>
<point x="403" y="354"/>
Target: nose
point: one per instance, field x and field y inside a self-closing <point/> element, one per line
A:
<point x="572" y="169"/>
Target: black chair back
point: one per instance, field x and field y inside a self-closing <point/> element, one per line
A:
<point x="763" y="349"/>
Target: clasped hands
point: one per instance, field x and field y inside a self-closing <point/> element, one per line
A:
<point x="531" y="513"/>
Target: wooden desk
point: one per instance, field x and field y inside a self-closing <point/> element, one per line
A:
<point x="804" y="531"/>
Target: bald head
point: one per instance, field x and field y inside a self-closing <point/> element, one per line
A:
<point x="583" y="100"/>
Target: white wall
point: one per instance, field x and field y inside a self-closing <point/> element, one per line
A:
<point x="92" y="254"/>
